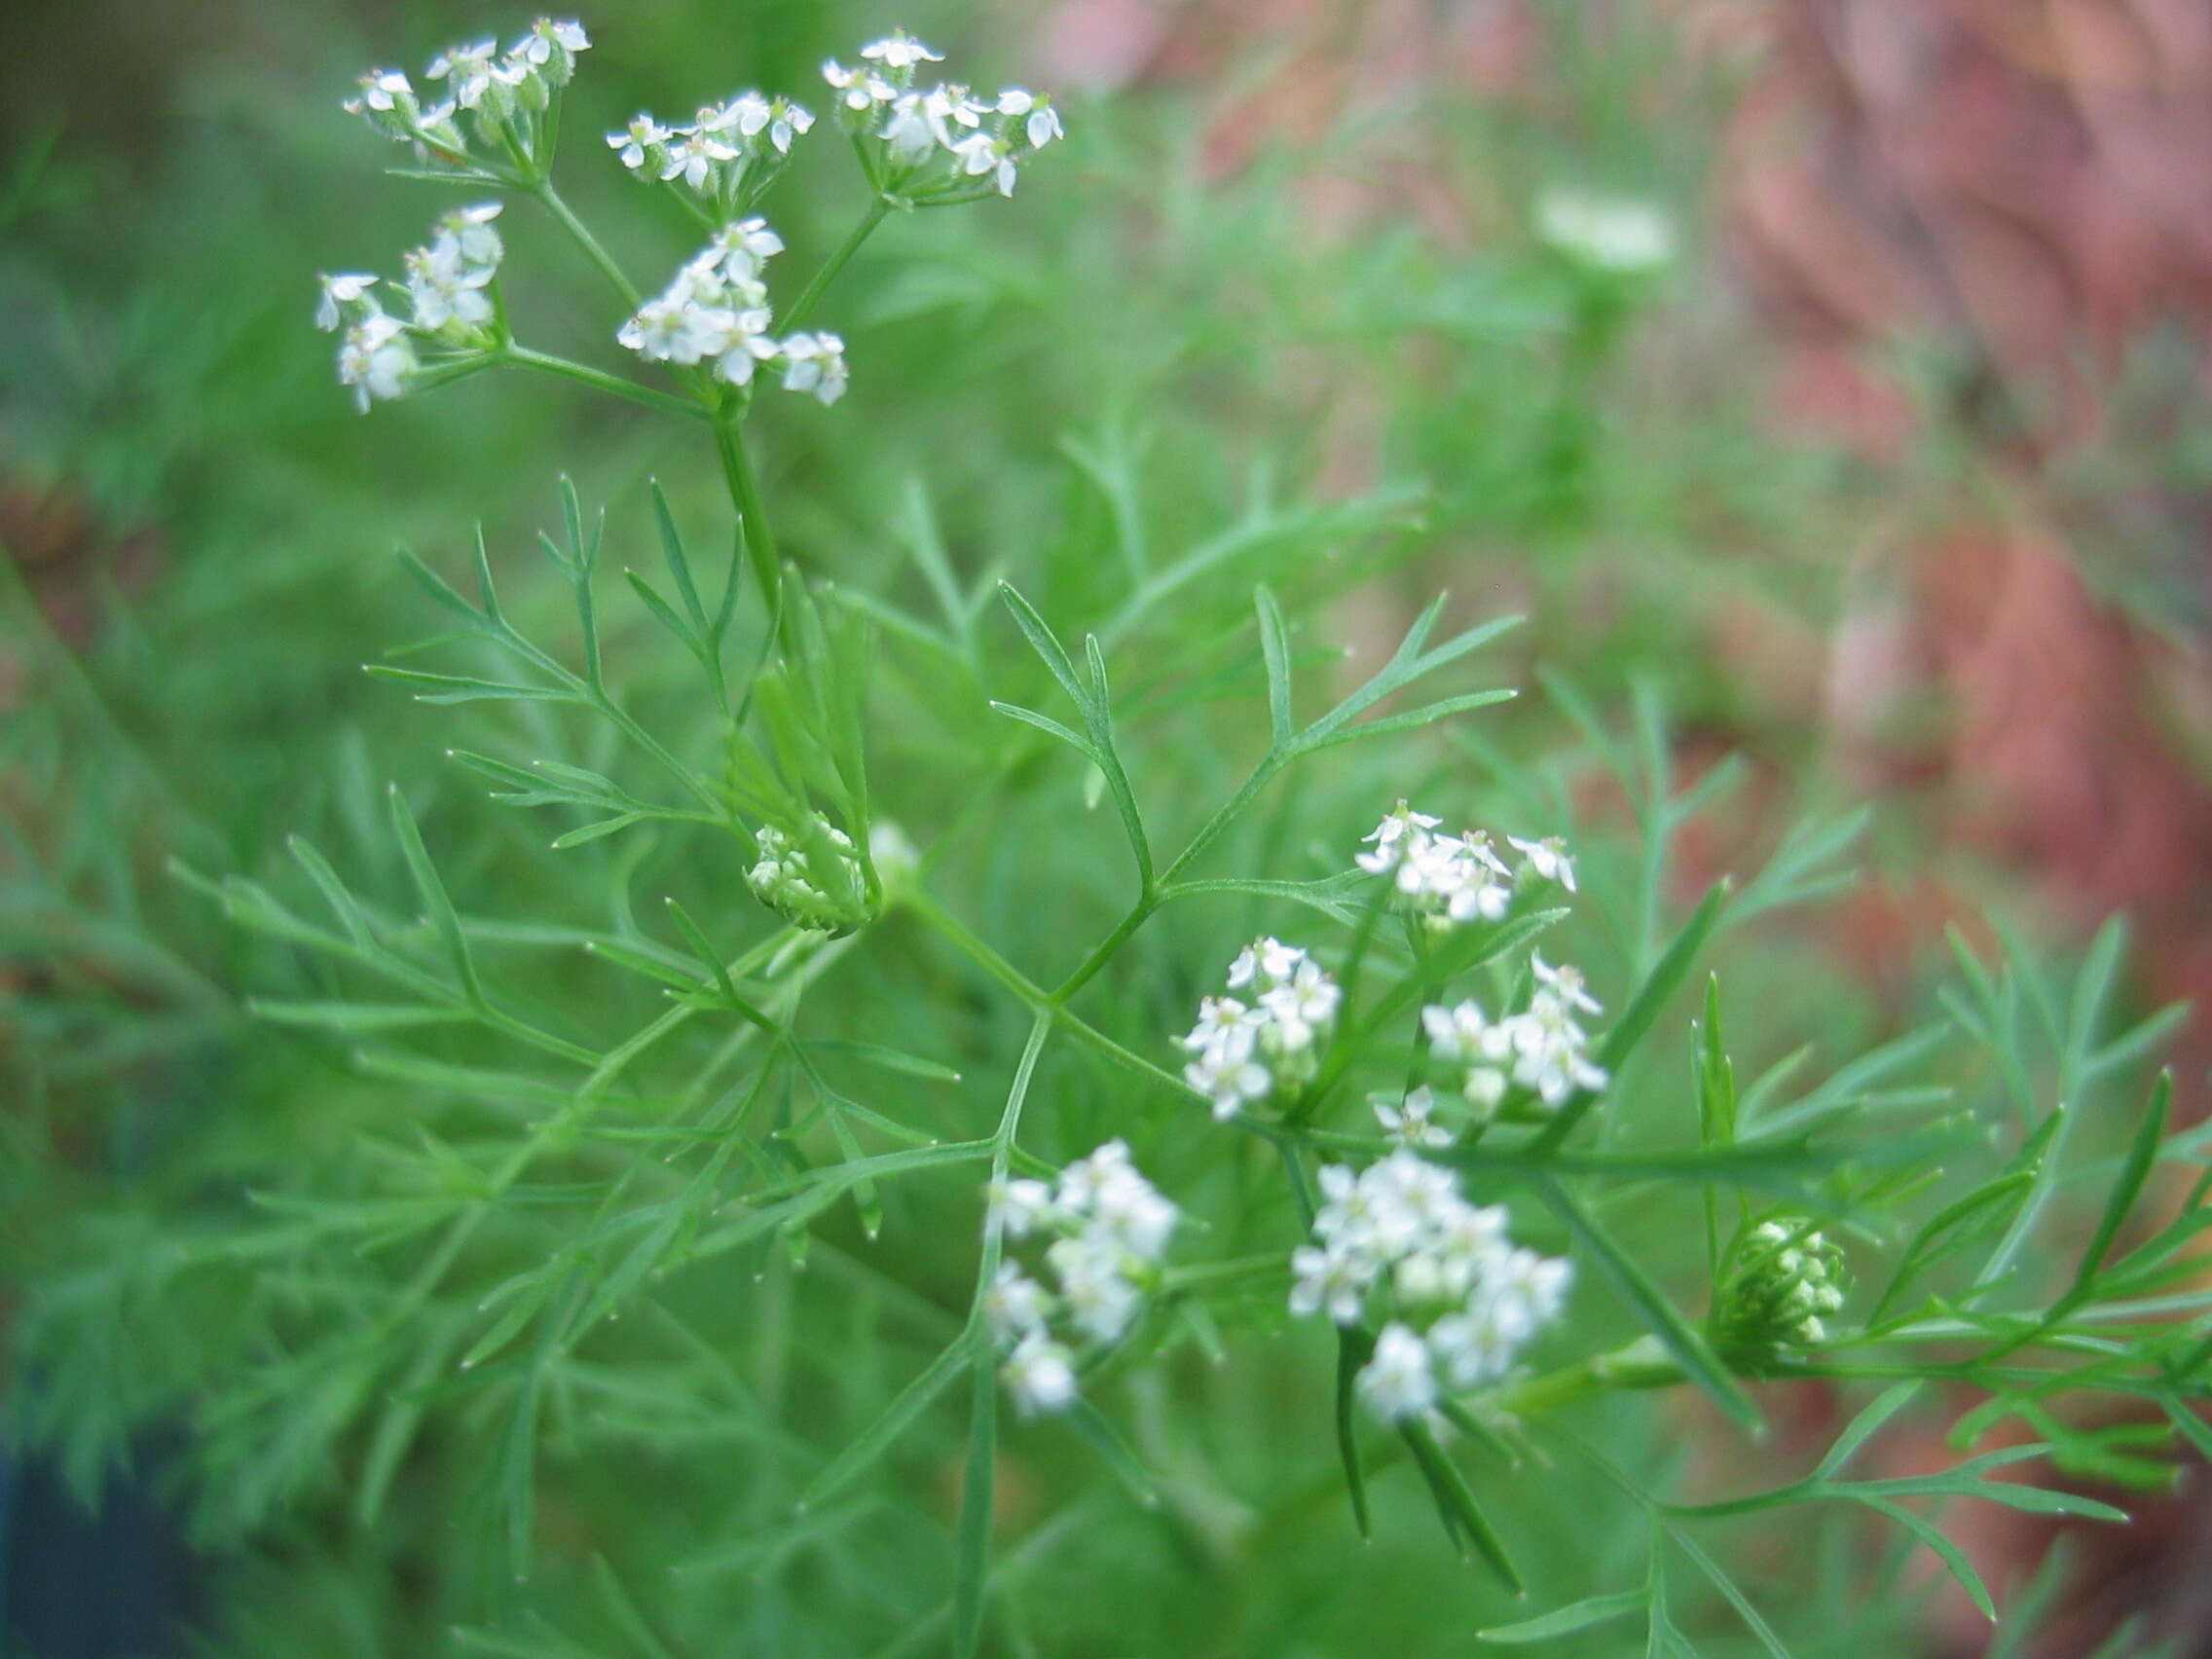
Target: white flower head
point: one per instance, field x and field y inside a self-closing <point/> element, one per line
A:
<point x="550" y="48"/>
<point x="986" y="153"/>
<point x="1015" y="1304"/>
<point x="1329" y="1279"/>
<point x="1564" y="984"/>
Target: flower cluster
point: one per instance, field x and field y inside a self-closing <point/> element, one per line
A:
<point x="935" y="145"/>
<point x="1782" y="1277"/>
<point x="1112" y="1227"/>
<point x="728" y="156"/>
<point x="1543" y="1049"/>
<point x="716" y="313"/>
<point x="788" y="878"/>
<point x="1448" y="879"/>
<point x="1243" y="1050"/>
<point x="503" y="97"/>
<point x="1457" y="1298"/>
<point x="450" y="303"/>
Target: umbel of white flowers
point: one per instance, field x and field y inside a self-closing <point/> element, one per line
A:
<point x="1457" y="1298"/>
<point x="1244" y="1050"/>
<point x="1445" y="880"/>
<point x="498" y="100"/>
<point x="1543" y="1049"/>
<point x="934" y="145"/>
<point x="1110" y="1227"/>
<point x="451" y="304"/>
<point x="716" y="313"/>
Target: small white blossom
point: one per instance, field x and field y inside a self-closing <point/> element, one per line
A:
<point x="1566" y="984"/>
<point x="900" y="50"/>
<point x="1023" y="1206"/>
<point x="815" y="362"/>
<point x="1015" y="1304"/>
<point x="1398" y="1381"/>
<point x="1040" y="1374"/>
<point x="1548" y="858"/>
<point x="377" y="360"/>
<point x="341" y="295"/>
<point x="1329" y="1279"/>
<point x="644" y="141"/>
<point x="1244" y="1051"/>
<point x="1411" y="1122"/>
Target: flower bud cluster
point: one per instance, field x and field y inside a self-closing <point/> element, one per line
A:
<point x="1110" y="1228"/>
<point x="786" y="879"/>
<point x="935" y="145"/>
<point x="450" y="301"/>
<point x="716" y="313"/>
<point x="1243" y="1051"/>
<point x="1782" y="1278"/>
<point x="727" y="157"/>
<point x="1457" y="1298"/>
<point x="502" y="98"/>
<point x="1445" y="880"/>
<point x="1543" y="1049"/>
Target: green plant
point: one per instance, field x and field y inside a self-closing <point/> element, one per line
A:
<point x="601" y="1194"/>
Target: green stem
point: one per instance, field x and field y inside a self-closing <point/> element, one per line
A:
<point x="522" y="358"/>
<point x="546" y="193"/>
<point x="751" y="516"/>
<point x="836" y="262"/>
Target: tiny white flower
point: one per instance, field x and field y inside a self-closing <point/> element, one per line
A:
<point x="1040" y="1374"/>
<point x="1548" y="858"/>
<point x="644" y="138"/>
<point x="377" y="360"/>
<point x="1332" y="1280"/>
<point x="1023" y="1206"/>
<point x="1397" y="1381"/>
<point x="1566" y="983"/>
<point x="1411" y="1122"/>
<point x="1015" y="1304"/>
<point x="340" y="294"/>
<point x="900" y="50"/>
<point x="1620" y="236"/>
<point x="981" y="152"/>
<point x="816" y="364"/>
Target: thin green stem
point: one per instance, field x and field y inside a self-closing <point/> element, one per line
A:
<point x="752" y="515"/>
<point x="804" y="305"/>
<point x="522" y="358"/>
<point x="544" y="189"/>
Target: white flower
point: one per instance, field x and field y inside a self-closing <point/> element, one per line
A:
<point x="339" y="295"/>
<point x="1390" y="837"/>
<point x="816" y="364"/>
<point x="900" y="50"/>
<point x="382" y="91"/>
<point x="1398" y="1381"/>
<point x="1015" y="1304"/>
<point x="1101" y="1299"/>
<point x="1024" y="1205"/>
<point x="1548" y="858"/>
<point x="470" y="72"/>
<point x="1301" y="1006"/>
<point x="1264" y="962"/>
<point x="377" y="360"/>
<point x="1043" y="125"/>
<point x="981" y="152"/>
<point x="1411" y="1122"/>
<point x="1564" y="984"/>
<point x="1040" y="1374"/>
<point x="743" y="247"/>
<point x="474" y="241"/>
<point x="550" y="48"/>
<point x="1624" y="236"/>
<point x="1332" y="1280"/>
<point x="644" y="139"/>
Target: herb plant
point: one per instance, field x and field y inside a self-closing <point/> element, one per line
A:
<point x="818" y="1222"/>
